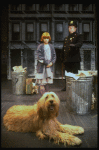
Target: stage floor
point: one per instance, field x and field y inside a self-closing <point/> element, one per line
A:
<point x="29" y="140"/>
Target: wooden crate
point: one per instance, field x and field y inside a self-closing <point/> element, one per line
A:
<point x="29" y="85"/>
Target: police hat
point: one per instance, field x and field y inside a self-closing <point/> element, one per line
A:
<point x="72" y="23"/>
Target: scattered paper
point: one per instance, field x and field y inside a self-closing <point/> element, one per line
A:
<point x="80" y="74"/>
<point x="19" y="69"/>
<point x="88" y="73"/>
<point x="69" y="74"/>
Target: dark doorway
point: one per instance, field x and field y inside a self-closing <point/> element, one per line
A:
<point x="87" y="60"/>
<point x="58" y="64"/>
<point x="15" y="58"/>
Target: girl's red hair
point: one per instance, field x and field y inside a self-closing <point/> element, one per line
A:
<point x="45" y="34"/>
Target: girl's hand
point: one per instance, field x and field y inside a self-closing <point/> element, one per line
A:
<point x="49" y="65"/>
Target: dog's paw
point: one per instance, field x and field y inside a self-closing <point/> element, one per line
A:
<point x="77" y="130"/>
<point x="74" y="141"/>
<point x="72" y="129"/>
<point x="40" y="135"/>
<point x="70" y="139"/>
<point x="80" y="130"/>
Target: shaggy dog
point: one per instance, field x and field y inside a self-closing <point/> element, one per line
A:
<point x="41" y="118"/>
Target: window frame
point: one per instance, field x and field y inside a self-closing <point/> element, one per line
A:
<point x="33" y="33"/>
<point x="56" y="32"/>
<point x="61" y="9"/>
<point x="44" y="10"/>
<point x="90" y="31"/>
<point x="84" y="10"/>
<point x="48" y="28"/>
<point x="13" y="33"/>
<point x="33" y="7"/>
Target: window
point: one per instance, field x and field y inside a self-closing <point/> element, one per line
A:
<point x="44" y="7"/>
<point x="16" y="7"/>
<point x="30" y="7"/>
<point x="87" y="7"/>
<point x="87" y="60"/>
<point x="44" y="28"/>
<point x="59" y="7"/>
<point x="73" y="7"/>
<point x="86" y="31"/>
<point x="59" y="32"/>
<point x="16" y="31"/>
<point x="29" y="31"/>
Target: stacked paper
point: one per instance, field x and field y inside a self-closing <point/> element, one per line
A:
<point x="77" y="76"/>
<point x="69" y="74"/>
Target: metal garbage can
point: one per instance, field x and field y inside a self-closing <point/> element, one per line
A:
<point x="19" y="82"/>
<point x="79" y="94"/>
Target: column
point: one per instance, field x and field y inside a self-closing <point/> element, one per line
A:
<point x="9" y="53"/>
<point x="53" y="30"/>
<point x="37" y="31"/>
<point x="80" y="26"/>
<point x="90" y="30"/>
<point x="66" y="8"/>
<point x="22" y="57"/>
<point x="9" y="64"/>
<point x="53" y="39"/>
<point x="23" y="31"/>
<point x="37" y="42"/>
<point x="66" y="28"/>
<point x="93" y="59"/>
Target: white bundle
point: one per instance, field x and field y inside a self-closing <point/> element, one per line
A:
<point x="19" y="69"/>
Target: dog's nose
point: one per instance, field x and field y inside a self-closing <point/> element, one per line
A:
<point x="51" y="101"/>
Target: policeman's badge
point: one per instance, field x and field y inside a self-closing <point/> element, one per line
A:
<point x="71" y="39"/>
<point x="71" y="22"/>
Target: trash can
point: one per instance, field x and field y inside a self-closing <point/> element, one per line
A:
<point x="19" y="82"/>
<point x="79" y="94"/>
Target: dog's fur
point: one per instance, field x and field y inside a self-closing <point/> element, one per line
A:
<point x="41" y="118"/>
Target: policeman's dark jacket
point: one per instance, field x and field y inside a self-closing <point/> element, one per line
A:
<point x="71" y="48"/>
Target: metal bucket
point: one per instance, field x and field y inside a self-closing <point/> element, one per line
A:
<point x="19" y="82"/>
<point x="79" y="94"/>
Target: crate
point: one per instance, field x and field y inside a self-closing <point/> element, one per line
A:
<point x="29" y="85"/>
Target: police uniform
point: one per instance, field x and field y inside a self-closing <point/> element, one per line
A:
<point x="70" y="55"/>
<point x="71" y="51"/>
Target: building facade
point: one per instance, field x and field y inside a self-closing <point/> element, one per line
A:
<point x="28" y="22"/>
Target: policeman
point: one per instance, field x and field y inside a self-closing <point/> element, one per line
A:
<point x="70" y="55"/>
